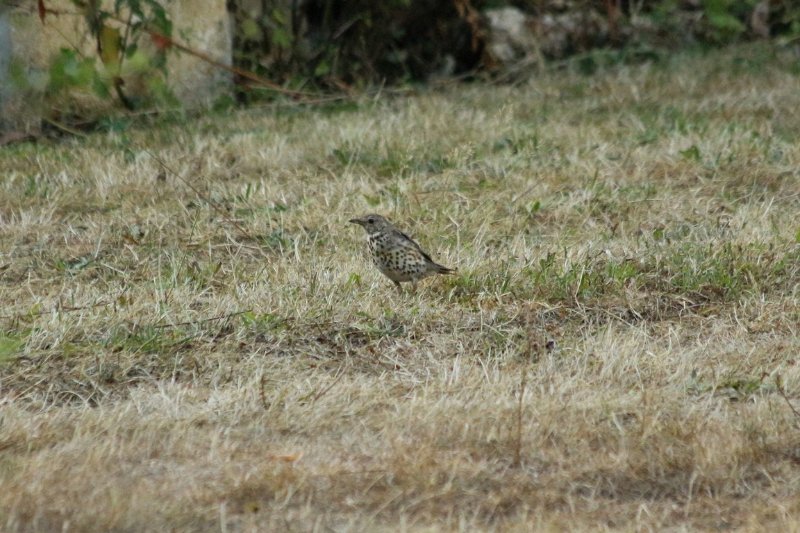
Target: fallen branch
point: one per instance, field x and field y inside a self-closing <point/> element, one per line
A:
<point x="201" y="321"/>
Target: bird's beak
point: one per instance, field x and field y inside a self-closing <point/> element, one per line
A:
<point x="358" y="221"/>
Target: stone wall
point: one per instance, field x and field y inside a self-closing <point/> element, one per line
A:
<point x="204" y="25"/>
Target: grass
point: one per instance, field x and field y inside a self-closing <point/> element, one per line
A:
<point x="617" y="351"/>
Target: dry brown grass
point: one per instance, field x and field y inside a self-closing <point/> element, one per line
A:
<point x="606" y="358"/>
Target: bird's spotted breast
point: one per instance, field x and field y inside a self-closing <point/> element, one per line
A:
<point x="398" y="261"/>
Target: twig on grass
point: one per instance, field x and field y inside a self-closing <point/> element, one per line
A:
<point x="320" y="394"/>
<point x="518" y="440"/>
<point x="782" y="392"/>
<point x="202" y="320"/>
<point x="262" y="395"/>
<point x="58" y="308"/>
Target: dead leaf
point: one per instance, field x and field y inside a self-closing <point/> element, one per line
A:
<point x="110" y="44"/>
<point x="162" y="42"/>
<point x="287" y="458"/>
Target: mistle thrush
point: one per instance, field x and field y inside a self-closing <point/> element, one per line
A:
<point x="396" y="254"/>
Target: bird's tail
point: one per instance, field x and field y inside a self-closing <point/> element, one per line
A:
<point x="444" y="270"/>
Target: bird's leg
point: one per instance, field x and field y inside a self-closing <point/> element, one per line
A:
<point x="399" y="288"/>
<point x="414" y="286"/>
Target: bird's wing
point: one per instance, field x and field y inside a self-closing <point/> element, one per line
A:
<point x="411" y="243"/>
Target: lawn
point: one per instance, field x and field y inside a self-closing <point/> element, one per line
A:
<point x="192" y="337"/>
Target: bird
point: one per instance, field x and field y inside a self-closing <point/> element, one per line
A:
<point x="396" y="254"/>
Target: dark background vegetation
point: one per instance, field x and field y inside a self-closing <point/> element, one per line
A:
<point x="302" y="47"/>
<point x="362" y="41"/>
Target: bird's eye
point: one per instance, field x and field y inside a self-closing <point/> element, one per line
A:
<point x="370" y="220"/>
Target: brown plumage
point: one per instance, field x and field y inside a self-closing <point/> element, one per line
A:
<point x="396" y="254"/>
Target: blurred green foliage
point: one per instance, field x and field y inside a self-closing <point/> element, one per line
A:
<point x="131" y="40"/>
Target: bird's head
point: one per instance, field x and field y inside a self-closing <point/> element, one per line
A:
<point x="371" y="223"/>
